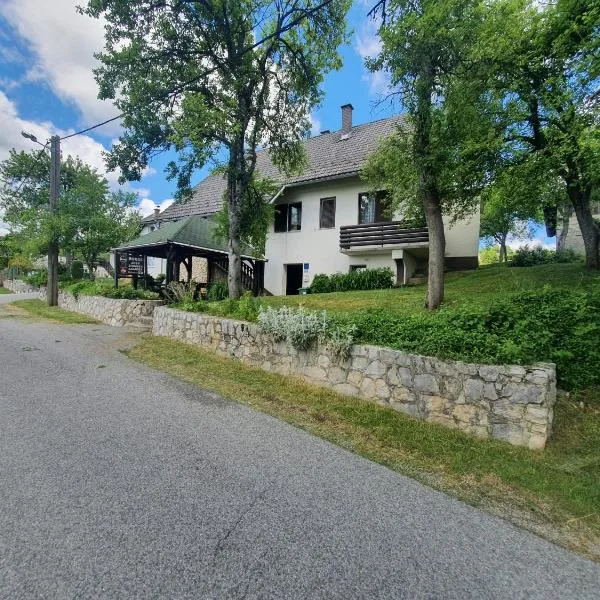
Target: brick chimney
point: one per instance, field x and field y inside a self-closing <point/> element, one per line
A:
<point x="156" y="212"/>
<point x="347" y="119"/>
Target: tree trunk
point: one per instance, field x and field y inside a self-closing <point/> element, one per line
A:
<point x="589" y="230"/>
<point x="503" y="255"/>
<point x="235" y="182"/>
<point x="427" y="186"/>
<point x="437" y="250"/>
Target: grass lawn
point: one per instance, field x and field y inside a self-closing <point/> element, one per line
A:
<point x="465" y="288"/>
<point x="40" y="309"/>
<point x="555" y="493"/>
<point x="4" y="290"/>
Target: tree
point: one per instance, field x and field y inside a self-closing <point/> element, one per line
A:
<point x="439" y="158"/>
<point x="499" y="219"/>
<point x="8" y="248"/>
<point x="190" y="76"/>
<point x="99" y="220"/>
<point x="512" y="203"/>
<point x="90" y="219"/>
<point x="543" y="61"/>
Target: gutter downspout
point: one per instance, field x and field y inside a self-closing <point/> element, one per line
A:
<point x="283" y="188"/>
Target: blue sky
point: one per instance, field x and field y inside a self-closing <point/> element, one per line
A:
<point x="47" y="86"/>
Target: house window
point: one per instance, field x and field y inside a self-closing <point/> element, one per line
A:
<point x="288" y="217"/>
<point x="373" y="208"/>
<point x="358" y="268"/>
<point x="327" y="216"/>
<point x="295" y="216"/>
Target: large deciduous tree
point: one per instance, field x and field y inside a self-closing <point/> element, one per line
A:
<point x="542" y="59"/>
<point x="190" y="75"/>
<point x="90" y="219"/>
<point x="439" y="157"/>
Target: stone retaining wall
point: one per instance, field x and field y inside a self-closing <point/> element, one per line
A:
<point x="112" y="311"/>
<point x="18" y="286"/>
<point x="510" y="403"/>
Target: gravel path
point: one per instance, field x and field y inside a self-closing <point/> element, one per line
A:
<point x="117" y="481"/>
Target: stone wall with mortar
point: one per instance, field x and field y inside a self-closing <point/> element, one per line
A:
<point x="18" y="286"/>
<point x="510" y="403"/>
<point x="112" y="311"/>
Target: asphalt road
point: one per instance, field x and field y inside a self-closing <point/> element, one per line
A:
<point x="117" y="481"/>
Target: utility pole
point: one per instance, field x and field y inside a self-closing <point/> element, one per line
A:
<point x="52" y="291"/>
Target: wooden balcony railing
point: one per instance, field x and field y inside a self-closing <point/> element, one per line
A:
<point x="382" y="234"/>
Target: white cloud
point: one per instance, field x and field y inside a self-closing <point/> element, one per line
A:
<point x="367" y="44"/>
<point x="535" y="243"/>
<point x="88" y="149"/>
<point x="315" y="125"/>
<point x="146" y="206"/>
<point x="63" y="43"/>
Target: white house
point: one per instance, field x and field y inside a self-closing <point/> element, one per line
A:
<point x="570" y="235"/>
<point x="327" y="222"/>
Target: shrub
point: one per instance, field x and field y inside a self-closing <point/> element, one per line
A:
<point x="181" y="292"/>
<point x="302" y="328"/>
<point x="297" y="326"/>
<point x="77" y="269"/>
<point x="536" y="255"/>
<point x="90" y="288"/>
<point x="558" y="325"/>
<point x="246" y="308"/>
<point x="39" y="278"/>
<point x="218" y="290"/>
<point x="364" y="279"/>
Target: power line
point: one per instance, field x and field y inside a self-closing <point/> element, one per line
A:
<point x="182" y="87"/>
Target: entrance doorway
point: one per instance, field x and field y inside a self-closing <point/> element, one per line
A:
<point x="293" y="279"/>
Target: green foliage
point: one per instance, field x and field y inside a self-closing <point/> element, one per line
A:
<point x="217" y="290"/>
<point x="364" y="279"/>
<point x="256" y="214"/>
<point x="20" y="261"/>
<point x="181" y="292"/>
<point x="245" y="308"/>
<point x="537" y="255"/>
<point x="297" y="326"/>
<point x="77" y="269"/>
<point x="90" y="218"/>
<point x="256" y="94"/>
<point x="9" y="246"/>
<point x="126" y="292"/>
<point x="560" y="325"/>
<point x="38" y="279"/>
<point x="491" y="255"/>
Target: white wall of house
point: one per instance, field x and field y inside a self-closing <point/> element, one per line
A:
<point x="574" y="239"/>
<point x="319" y="248"/>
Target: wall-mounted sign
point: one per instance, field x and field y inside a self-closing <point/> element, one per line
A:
<point x="305" y="276"/>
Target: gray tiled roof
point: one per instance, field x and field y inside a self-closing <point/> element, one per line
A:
<point x="328" y="156"/>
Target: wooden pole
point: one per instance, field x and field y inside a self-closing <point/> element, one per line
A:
<point x="52" y="290"/>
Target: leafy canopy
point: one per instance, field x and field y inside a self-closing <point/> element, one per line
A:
<point x="90" y="218"/>
<point x="155" y="62"/>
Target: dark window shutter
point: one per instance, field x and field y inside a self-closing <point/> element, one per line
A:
<point x="327" y="219"/>
<point x="281" y="216"/>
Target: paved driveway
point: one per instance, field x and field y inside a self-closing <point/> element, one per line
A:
<point x="117" y="481"/>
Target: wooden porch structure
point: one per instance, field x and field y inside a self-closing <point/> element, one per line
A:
<point x="180" y="241"/>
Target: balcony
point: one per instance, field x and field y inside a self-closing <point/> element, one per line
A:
<point x="390" y="234"/>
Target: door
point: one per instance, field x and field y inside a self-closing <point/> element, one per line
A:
<point x="293" y="279"/>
